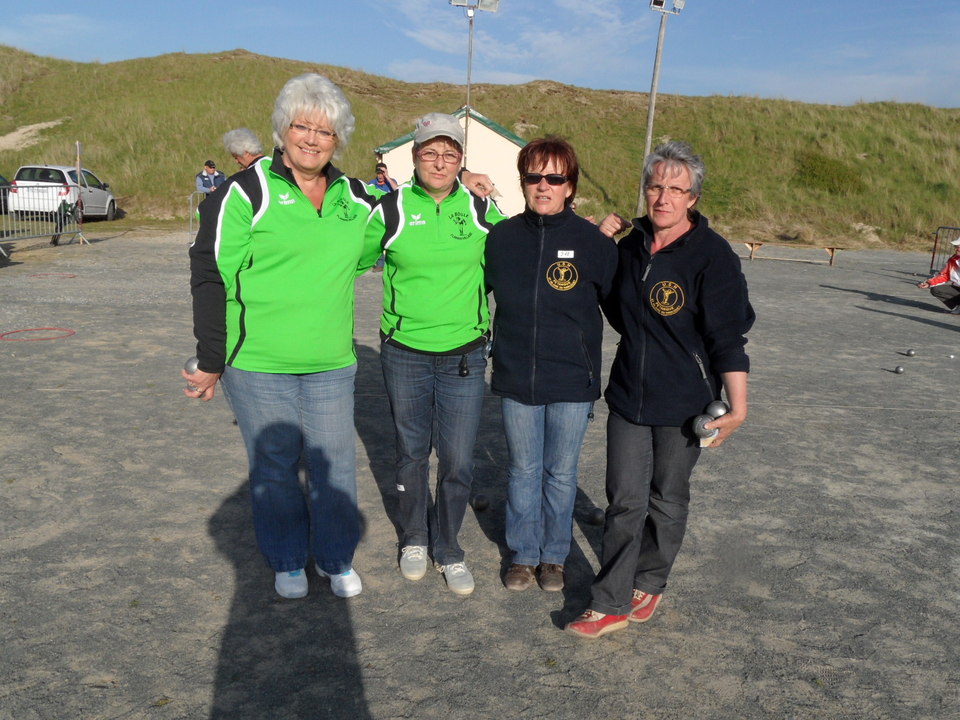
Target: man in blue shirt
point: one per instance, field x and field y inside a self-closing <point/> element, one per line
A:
<point x="209" y="179"/>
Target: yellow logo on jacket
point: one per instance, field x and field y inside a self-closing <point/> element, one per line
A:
<point x="562" y="275"/>
<point x="666" y="297"/>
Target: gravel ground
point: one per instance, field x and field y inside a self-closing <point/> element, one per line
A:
<point x="820" y="577"/>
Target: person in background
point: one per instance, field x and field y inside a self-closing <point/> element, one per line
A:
<point x="549" y="270"/>
<point x="209" y="179"/>
<point x="244" y="146"/>
<point x="384" y="183"/>
<point x="945" y="285"/>
<point x="680" y="304"/>
<point x="434" y="332"/>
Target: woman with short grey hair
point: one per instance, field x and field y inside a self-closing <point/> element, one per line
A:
<point x="244" y="146"/>
<point x="680" y="304"/>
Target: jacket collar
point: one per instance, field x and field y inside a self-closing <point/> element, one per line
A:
<point x="537" y="220"/>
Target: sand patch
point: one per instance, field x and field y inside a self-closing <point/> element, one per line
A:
<point x="25" y="136"/>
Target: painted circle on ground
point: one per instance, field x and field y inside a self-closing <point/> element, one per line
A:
<point x="64" y="332"/>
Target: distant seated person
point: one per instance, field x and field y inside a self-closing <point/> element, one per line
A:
<point x="209" y="179"/>
<point x="244" y="146"/>
<point x="945" y="285"/>
<point x="383" y="181"/>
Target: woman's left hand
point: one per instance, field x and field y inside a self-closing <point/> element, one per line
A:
<point x="727" y="425"/>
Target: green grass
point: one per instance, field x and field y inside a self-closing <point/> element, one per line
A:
<point x="867" y="175"/>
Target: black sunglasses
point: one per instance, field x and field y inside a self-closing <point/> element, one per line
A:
<point x="552" y="178"/>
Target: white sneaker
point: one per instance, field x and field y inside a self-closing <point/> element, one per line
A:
<point x="413" y="561"/>
<point x="346" y="584"/>
<point x="291" y="584"/>
<point x="459" y="579"/>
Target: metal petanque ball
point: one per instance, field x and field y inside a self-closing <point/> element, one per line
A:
<point x="911" y="352"/>
<point x="191" y="365"/>
<point x="717" y="409"/>
<point x="480" y="503"/>
<point x="596" y="516"/>
<point x="898" y="369"/>
<point x="700" y="431"/>
<point x="950" y="356"/>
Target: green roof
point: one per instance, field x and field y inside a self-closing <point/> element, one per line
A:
<point x="474" y="115"/>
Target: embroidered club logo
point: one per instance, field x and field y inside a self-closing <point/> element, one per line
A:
<point x="666" y="297"/>
<point x="344" y="210"/>
<point x="562" y="275"/>
<point x="460" y="220"/>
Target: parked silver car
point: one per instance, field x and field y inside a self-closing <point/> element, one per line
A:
<point x="49" y="188"/>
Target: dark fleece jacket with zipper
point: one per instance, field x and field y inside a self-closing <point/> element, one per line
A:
<point x="548" y="275"/>
<point x="683" y="315"/>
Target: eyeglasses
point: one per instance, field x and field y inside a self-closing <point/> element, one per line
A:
<point x="670" y="190"/>
<point x="450" y="157"/>
<point x="323" y="136"/>
<point x="552" y="178"/>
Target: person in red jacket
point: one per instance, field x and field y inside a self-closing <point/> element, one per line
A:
<point x="945" y="285"/>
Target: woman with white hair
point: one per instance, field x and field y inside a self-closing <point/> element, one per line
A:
<point x="272" y="270"/>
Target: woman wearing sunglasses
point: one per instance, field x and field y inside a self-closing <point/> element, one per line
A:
<point x="434" y="332"/>
<point x="548" y="270"/>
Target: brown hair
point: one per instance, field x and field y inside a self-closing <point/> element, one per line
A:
<point x="540" y="151"/>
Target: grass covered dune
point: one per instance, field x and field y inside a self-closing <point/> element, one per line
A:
<point x="868" y="175"/>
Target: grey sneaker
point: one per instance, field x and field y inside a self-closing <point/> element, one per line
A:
<point x="413" y="561"/>
<point x="459" y="579"/>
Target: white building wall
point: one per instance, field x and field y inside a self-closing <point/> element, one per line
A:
<point x="487" y="152"/>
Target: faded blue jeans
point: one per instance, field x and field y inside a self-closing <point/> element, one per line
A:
<point x="425" y="390"/>
<point x="544" y="445"/>
<point x="286" y="419"/>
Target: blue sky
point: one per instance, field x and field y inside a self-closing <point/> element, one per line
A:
<point x="820" y="51"/>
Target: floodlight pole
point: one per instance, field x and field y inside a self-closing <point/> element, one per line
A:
<point x="651" y="107"/>
<point x="466" y="118"/>
<point x="471" y="7"/>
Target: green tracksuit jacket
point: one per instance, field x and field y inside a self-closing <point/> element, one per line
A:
<point x="434" y="299"/>
<point x="272" y="277"/>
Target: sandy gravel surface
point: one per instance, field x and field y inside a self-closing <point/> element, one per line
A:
<point x="820" y="577"/>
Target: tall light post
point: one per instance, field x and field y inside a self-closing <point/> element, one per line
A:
<point x="661" y="7"/>
<point x="471" y="7"/>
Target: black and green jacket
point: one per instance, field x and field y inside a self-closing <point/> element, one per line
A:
<point x="272" y="277"/>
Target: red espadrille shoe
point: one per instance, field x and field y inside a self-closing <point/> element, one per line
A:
<point x="594" y="624"/>
<point x="643" y="606"/>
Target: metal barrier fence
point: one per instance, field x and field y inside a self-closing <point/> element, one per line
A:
<point x="193" y="202"/>
<point x="37" y="216"/>
<point x="942" y="248"/>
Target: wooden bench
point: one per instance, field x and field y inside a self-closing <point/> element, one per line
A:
<point x="755" y="245"/>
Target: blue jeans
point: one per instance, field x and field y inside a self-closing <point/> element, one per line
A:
<point x="648" y="491"/>
<point x="544" y="444"/>
<point x="424" y="390"/>
<point x="286" y="419"/>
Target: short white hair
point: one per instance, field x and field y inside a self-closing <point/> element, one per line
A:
<point x="309" y="94"/>
<point x="242" y="140"/>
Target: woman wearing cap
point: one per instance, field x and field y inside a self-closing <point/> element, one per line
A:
<point x="548" y="269"/>
<point x="680" y="304"/>
<point x="945" y="285"/>
<point x="434" y="332"/>
<point x="273" y="268"/>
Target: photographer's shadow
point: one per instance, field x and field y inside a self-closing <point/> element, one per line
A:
<point x="280" y="658"/>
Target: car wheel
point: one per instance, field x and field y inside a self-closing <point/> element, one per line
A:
<point x="78" y="213"/>
<point x="111" y="210"/>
